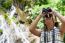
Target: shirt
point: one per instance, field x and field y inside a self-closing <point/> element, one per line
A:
<point x="49" y="36"/>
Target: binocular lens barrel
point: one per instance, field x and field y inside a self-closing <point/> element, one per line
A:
<point x="46" y="11"/>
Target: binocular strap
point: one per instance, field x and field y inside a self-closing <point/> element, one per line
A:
<point x="46" y="36"/>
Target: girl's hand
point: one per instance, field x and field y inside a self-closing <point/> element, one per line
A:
<point x="42" y="14"/>
<point x="55" y="13"/>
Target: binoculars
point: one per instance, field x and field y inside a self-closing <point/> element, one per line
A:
<point x="46" y="10"/>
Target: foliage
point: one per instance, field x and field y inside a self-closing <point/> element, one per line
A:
<point x="0" y="30"/>
<point x="6" y="3"/>
<point x="61" y="7"/>
<point x="63" y="2"/>
<point x="41" y="2"/>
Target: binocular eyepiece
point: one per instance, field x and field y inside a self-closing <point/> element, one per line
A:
<point x="47" y="15"/>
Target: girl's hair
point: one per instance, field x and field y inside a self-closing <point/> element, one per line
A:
<point x="56" y="24"/>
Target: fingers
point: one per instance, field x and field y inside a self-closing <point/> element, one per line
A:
<point x="42" y="13"/>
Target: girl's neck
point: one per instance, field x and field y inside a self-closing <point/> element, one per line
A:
<point x="50" y="28"/>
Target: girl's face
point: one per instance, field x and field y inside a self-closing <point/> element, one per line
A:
<point x="49" y="22"/>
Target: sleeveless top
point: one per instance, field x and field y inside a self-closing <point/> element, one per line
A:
<point x="50" y="36"/>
